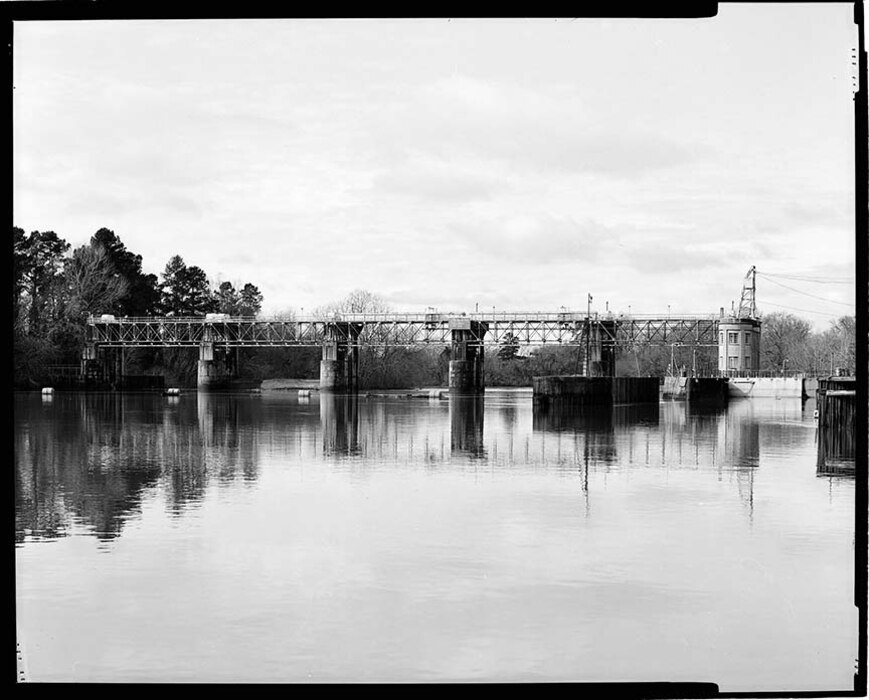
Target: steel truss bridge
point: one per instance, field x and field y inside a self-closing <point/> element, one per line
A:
<point x="406" y="329"/>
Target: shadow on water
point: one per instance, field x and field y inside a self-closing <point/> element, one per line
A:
<point x="89" y="458"/>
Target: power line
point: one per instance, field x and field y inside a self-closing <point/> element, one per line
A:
<point x="808" y="311"/>
<point x="814" y="296"/>
<point x="817" y="280"/>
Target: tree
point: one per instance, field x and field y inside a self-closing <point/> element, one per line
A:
<point x="142" y="297"/>
<point x="226" y="299"/>
<point x="509" y="348"/>
<point x="92" y="285"/>
<point x="251" y="300"/>
<point x="356" y="302"/>
<point x="185" y="290"/>
<point x="784" y="342"/>
<point x="40" y="259"/>
<point x="834" y="348"/>
<point x="246" y="302"/>
<point x="19" y="267"/>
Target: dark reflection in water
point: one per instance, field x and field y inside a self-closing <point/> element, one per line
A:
<point x="271" y="539"/>
<point x="466" y="425"/>
<point x="90" y="457"/>
<point x="339" y="416"/>
<point x="675" y="433"/>
<point x="84" y="456"/>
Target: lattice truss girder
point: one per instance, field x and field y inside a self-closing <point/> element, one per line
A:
<point x="402" y="330"/>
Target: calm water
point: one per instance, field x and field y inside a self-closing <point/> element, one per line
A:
<point x="264" y="538"/>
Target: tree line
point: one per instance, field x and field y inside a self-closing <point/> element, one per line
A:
<point x="55" y="288"/>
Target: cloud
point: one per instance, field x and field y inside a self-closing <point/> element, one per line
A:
<point x="537" y="238"/>
<point x="539" y="129"/>
<point x="438" y="180"/>
<point x="662" y="258"/>
<point x="809" y="213"/>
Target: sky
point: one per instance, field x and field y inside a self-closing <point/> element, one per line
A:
<point x="514" y="164"/>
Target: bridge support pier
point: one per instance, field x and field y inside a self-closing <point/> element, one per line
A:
<point x="339" y="368"/>
<point x="215" y="371"/>
<point x="466" y="356"/>
<point x="91" y="371"/>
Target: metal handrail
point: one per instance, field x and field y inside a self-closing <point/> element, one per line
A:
<point x="413" y="316"/>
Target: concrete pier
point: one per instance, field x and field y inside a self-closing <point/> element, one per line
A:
<point x="466" y="356"/>
<point x="217" y="367"/>
<point x="339" y="368"/>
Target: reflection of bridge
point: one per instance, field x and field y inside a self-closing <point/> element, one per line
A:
<point x="675" y="433"/>
<point x="97" y="467"/>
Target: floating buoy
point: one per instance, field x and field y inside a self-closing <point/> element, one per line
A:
<point x="304" y="393"/>
<point x="173" y="391"/>
<point x="47" y="391"/>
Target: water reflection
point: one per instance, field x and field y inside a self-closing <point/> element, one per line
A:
<point x="466" y="425"/>
<point x="328" y="541"/>
<point x="90" y="458"/>
<point x="339" y="416"/>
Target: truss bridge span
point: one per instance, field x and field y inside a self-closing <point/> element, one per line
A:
<point x="406" y="329"/>
<point x="218" y="336"/>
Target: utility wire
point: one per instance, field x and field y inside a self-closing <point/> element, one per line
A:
<point x="815" y="296"/>
<point x="792" y="308"/>
<point x="818" y="280"/>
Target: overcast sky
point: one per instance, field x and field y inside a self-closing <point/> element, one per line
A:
<point x="519" y="164"/>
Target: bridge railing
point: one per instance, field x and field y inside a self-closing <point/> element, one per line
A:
<point x="408" y="317"/>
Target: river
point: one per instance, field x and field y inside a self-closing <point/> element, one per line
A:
<point x="271" y="538"/>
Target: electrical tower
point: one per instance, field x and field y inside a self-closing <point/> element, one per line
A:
<point x="747" y="307"/>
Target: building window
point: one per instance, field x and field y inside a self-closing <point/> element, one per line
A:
<point x="747" y="338"/>
<point x="733" y="363"/>
<point x="733" y="338"/>
<point x="747" y="364"/>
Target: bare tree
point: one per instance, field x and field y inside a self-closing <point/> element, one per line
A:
<point x="784" y="341"/>
<point x="92" y="284"/>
